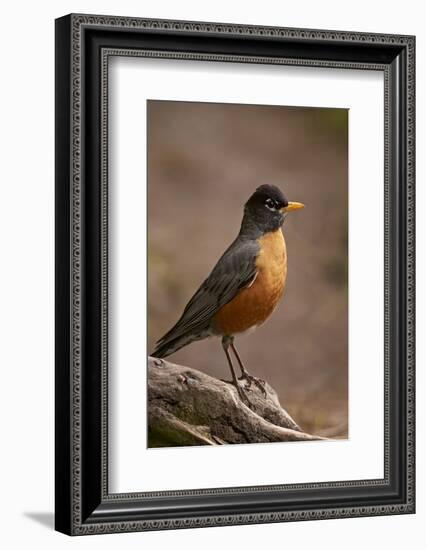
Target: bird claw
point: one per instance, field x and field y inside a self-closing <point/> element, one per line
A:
<point x="256" y="381"/>
<point x="243" y="396"/>
<point x="241" y="393"/>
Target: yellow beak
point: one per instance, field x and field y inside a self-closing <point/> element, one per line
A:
<point x="292" y="206"/>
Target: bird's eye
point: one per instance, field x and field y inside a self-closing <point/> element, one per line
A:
<point x="270" y="203"/>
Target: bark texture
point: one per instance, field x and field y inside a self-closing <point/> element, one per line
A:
<point x="189" y="407"/>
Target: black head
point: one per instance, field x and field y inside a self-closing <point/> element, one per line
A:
<point x="266" y="209"/>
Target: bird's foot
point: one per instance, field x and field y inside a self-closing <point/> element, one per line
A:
<point x="256" y="381"/>
<point x="242" y="394"/>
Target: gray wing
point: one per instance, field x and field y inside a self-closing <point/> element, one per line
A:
<point x="235" y="270"/>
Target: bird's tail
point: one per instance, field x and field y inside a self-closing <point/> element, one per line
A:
<point x="166" y="346"/>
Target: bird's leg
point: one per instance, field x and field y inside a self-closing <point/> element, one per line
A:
<point x="226" y="342"/>
<point x="245" y="374"/>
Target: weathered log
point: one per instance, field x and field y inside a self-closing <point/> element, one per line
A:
<point x="189" y="407"/>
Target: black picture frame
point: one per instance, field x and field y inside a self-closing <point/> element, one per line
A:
<point x="83" y="45"/>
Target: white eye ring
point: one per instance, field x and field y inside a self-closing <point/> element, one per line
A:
<point x="270" y="205"/>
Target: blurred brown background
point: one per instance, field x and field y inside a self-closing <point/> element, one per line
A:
<point x="204" y="161"/>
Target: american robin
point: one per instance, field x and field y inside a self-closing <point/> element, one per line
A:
<point x="243" y="288"/>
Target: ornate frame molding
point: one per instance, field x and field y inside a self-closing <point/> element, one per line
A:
<point x="72" y="47"/>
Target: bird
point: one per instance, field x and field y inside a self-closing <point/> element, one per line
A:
<point x="243" y="288"/>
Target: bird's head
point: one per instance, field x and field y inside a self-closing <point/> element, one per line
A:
<point x="267" y="208"/>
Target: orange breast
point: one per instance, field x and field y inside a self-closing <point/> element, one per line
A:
<point x="254" y="304"/>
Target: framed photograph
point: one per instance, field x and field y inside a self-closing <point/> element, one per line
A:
<point x="234" y="274"/>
